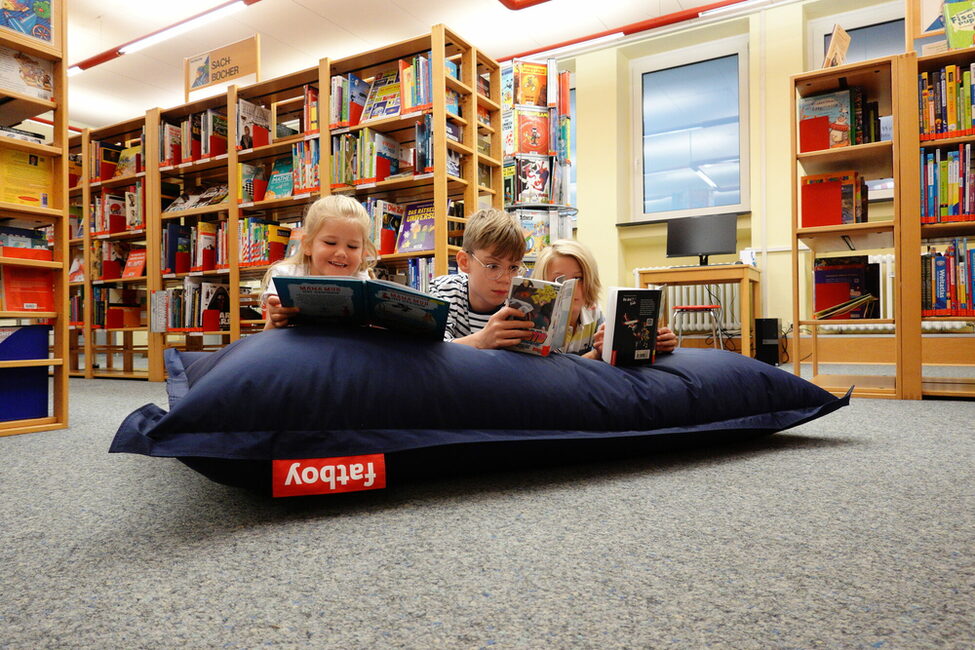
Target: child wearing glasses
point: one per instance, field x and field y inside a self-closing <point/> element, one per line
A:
<point x="566" y="259"/>
<point x="335" y="242"/>
<point x="492" y="252"/>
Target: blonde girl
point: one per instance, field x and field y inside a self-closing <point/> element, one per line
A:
<point x="335" y="242"/>
<point x="565" y="259"/>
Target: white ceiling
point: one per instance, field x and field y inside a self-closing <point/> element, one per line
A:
<point x="295" y="34"/>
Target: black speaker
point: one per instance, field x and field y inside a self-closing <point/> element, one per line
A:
<point x="767" y="340"/>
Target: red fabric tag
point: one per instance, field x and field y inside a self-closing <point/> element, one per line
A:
<point x="303" y="476"/>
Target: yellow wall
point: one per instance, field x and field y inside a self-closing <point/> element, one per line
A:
<point x="607" y="167"/>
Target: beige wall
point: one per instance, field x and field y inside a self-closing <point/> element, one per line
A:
<point x="606" y="168"/>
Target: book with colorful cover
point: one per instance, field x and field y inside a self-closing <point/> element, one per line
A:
<point x="632" y="318"/>
<point x="351" y="301"/>
<point x="548" y="306"/>
<point x="837" y="107"/>
<point x="959" y="18"/>
<point x="135" y="263"/>
<point x="253" y="124"/>
<point x="530" y="83"/>
<point x="531" y="131"/>
<point x="26" y="178"/>
<point x="252" y="183"/>
<point x="281" y="183"/>
<point x="384" y="97"/>
<point x="129" y="161"/>
<point x="416" y="229"/>
<point x="26" y="74"/>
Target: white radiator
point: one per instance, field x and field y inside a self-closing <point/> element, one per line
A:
<point x="724" y="294"/>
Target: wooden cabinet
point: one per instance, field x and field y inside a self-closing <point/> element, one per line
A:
<point x="27" y="369"/>
<point x="887" y="84"/>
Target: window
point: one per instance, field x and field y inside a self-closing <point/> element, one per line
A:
<point x="874" y="32"/>
<point x="691" y="109"/>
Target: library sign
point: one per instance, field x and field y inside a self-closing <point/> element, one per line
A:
<point x="221" y="65"/>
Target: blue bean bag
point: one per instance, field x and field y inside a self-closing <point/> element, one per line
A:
<point x="352" y="402"/>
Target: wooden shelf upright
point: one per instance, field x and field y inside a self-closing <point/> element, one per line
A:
<point x="16" y="105"/>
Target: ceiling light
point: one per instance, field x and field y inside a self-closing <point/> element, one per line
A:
<point x="182" y="28"/>
<point x="73" y="70"/>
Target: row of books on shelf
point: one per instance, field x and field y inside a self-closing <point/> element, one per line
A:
<point x="108" y="160"/>
<point x="845" y="288"/>
<point x="947" y="282"/>
<point x="111" y="260"/>
<point x="947" y="185"/>
<point x="369" y="156"/>
<point x="839" y="119"/>
<point x="21" y="134"/>
<point x="288" y="175"/>
<point x="114" y="308"/>
<point x="197" y="136"/>
<point x="833" y="199"/>
<point x="23" y="240"/>
<point x="945" y="100"/>
<point x="401" y="90"/>
<point x="197" y="305"/>
<point x="259" y="125"/>
<point x="118" y="210"/>
<point x="209" y="194"/>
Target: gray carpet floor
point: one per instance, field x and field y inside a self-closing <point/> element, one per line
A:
<point x="854" y="531"/>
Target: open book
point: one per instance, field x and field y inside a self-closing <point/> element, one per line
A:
<point x="548" y="305"/>
<point x="351" y="301"/>
<point x="632" y="318"/>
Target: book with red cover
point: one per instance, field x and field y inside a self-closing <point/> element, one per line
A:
<point x="829" y="199"/>
<point x="814" y="134"/>
<point x="135" y="264"/>
<point x="27" y="289"/>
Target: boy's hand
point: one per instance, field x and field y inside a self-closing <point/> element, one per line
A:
<point x="499" y="331"/>
<point x="278" y="316"/>
<point x="666" y="340"/>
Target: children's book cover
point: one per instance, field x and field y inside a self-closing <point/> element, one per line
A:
<point x="959" y="19"/>
<point x="535" y="223"/>
<point x="530" y="83"/>
<point x="253" y="124"/>
<point x="25" y="178"/>
<point x="531" y="131"/>
<point x="281" y="183"/>
<point x="632" y="317"/>
<point x="384" y="97"/>
<point x="135" y="264"/>
<point x="837" y="106"/>
<point x="351" y="301"/>
<point x="25" y="74"/>
<point x="416" y="228"/>
<point x="547" y="305"/>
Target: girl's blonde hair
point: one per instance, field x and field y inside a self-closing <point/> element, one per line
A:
<point x="590" y="284"/>
<point x="327" y="208"/>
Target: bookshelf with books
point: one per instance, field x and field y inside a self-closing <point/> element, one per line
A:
<point x="33" y="216"/>
<point x="116" y="229"/>
<point x="851" y="128"/>
<point x="79" y="256"/>
<point x="416" y="151"/>
<point x="276" y="177"/>
<point x="943" y="234"/>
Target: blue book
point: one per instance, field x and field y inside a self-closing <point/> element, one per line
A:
<point x="335" y="300"/>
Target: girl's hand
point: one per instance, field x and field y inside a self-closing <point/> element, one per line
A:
<point x="666" y="340"/>
<point x="278" y="316"/>
<point x="597" y="341"/>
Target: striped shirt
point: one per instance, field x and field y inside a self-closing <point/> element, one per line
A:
<point x="461" y="319"/>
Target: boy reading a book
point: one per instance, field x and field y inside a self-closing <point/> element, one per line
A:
<point x="492" y="252"/>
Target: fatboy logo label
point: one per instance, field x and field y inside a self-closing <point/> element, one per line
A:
<point x="299" y="477"/>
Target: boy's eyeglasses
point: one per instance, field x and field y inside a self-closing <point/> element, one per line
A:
<point x="497" y="271"/>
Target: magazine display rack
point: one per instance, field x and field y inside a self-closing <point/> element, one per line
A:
<point x="886" y="84"/>
<point x="248" y="222"/>
<point x="25" y="365"/>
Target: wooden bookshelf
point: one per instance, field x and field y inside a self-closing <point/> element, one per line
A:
<point x="18" y="105"/>
<point x="917" y="236"/>
<point x="889" y="82"/>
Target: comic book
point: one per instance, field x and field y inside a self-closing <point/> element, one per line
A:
<point x="548" y="306"/>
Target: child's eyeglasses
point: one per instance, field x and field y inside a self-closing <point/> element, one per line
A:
<point x="497" y="271"/>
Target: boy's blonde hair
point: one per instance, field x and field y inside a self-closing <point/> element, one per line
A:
<point x="589" y="284"/>
<point x="327" y="208"/>
<point x="496" y="231"/>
